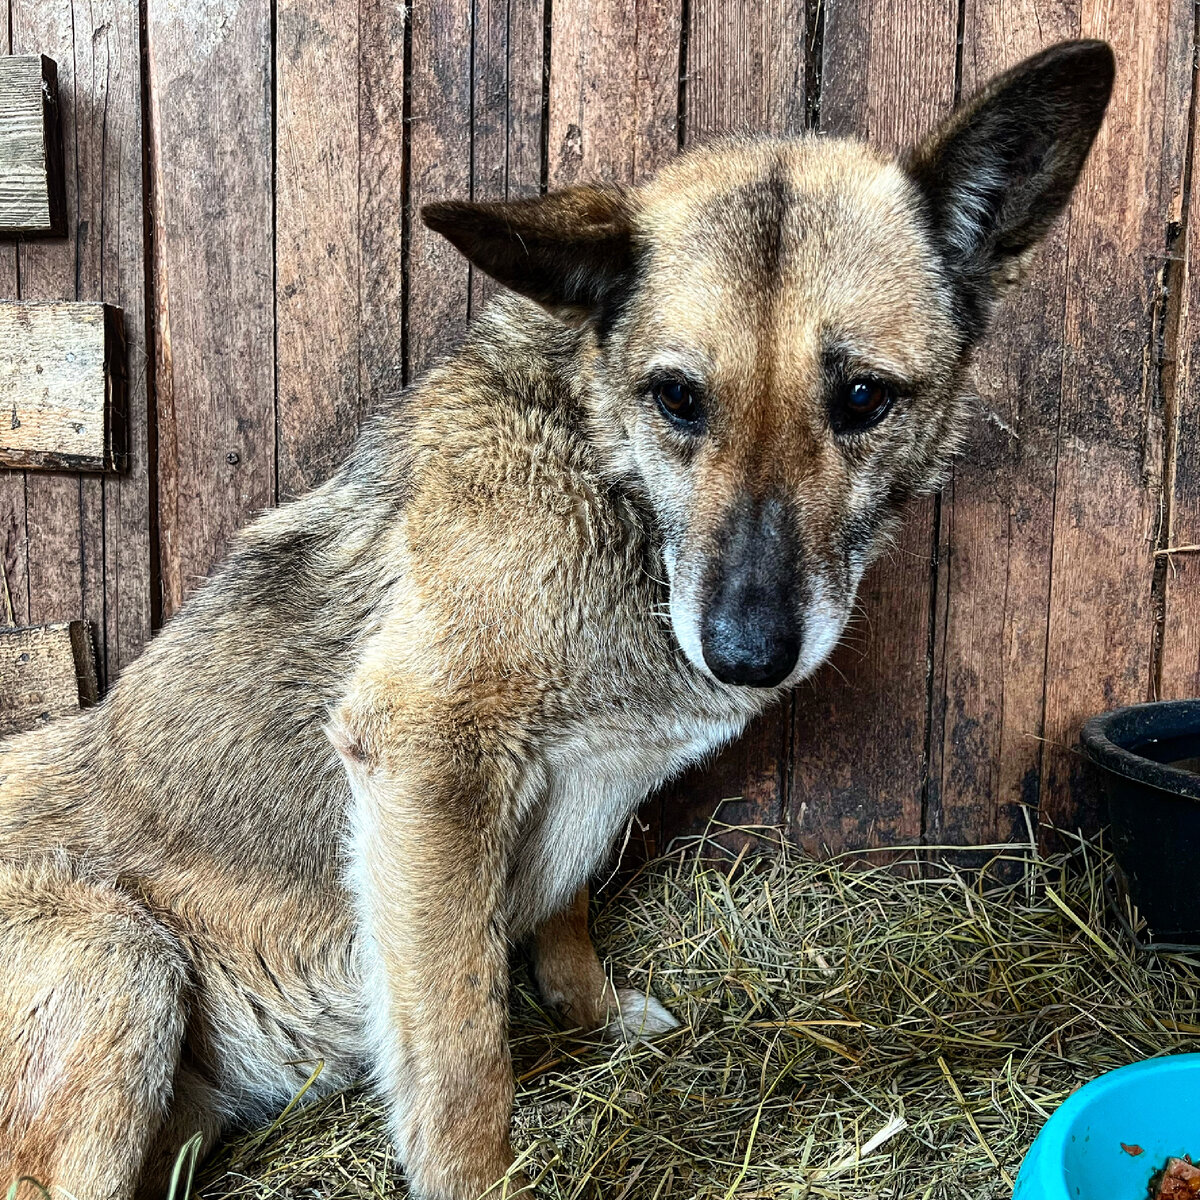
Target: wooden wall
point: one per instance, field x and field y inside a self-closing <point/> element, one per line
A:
<point x="245" y="174"/>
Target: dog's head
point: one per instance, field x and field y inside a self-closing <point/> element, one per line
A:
<point x="779" y="331"/>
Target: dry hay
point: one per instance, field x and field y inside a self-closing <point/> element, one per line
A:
<point x="825" y="1007"/>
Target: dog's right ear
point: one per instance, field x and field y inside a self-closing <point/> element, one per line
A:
<point x="572" y="251"/>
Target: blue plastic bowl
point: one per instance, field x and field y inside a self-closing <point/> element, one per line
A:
<point x="1079" y="1155"/>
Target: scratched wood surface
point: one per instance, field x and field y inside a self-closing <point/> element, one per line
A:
<point x="62" y="386"/>
<point x="997" y="510"/>
<point x="290" y="284"/>
<point x="46" y="671"/>
<point x="32" y="171"/>
<point x="211" y="155"/>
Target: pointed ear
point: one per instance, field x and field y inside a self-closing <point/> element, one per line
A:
<point x="571" y="251"/>
<point x="999" y="171"/>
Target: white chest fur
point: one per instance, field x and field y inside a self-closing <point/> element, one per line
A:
<point x="597" y="776"/>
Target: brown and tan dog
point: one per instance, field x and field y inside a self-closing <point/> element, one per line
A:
<point x="403" y="724"/>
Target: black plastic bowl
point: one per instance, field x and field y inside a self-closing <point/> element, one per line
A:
<point x="1149" y="756"/>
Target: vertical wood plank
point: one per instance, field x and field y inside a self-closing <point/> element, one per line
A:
<point x="381" y="197"/>
<point x="89" y="538"/>
<point x="745" y="68"/>
<point x="997" y="515"/>
<point x="440" y="168"/>
<point x="14" y="589"/>
<point x="859" y="734"/>
<point x="211" y="157"/>
<point x="744" y="73"/>
<point x="111" y="267"/>
<point x="506" y="117"/>
<point x="1180" y="664"/>
<point x="614" y="89"/>
<point x="316" y="240"/>
<point x="1109" y="478"/>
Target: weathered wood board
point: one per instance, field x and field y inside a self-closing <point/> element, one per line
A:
<point x="32" y="177"/>
<point x="46" y="671"/>
<point x="62" y="386"/>
<point x="212" y="154"/>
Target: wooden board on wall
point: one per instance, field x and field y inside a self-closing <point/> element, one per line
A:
<point x="62" y="386"/>
<point x="46" y="671"/>
<point x="211" y="157"/>
<point x="382" y="143"/>
<point x="33" y="198"/>
<point x="14" y="544"/>
<point x="506" y="121"/>
<point x="440" y="169"/>
<point x="614" y="90"/>
<point x="317" y="252"/>
<point x="85" y="541"/>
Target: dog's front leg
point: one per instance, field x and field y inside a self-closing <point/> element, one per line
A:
<point x="429" y="872"/>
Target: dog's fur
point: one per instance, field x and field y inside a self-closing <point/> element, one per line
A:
<point x="402" y="725"/>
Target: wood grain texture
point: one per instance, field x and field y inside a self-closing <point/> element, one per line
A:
<point x="858" y="764"/>
<point x="440" y="169"/>
<point x="614" y="89"/>
<point x="506" y="119"/>
<point x="46" y="671"/>
<point x="381" y="136"/>
<point x="996" y="518"/>
<point x="62" y="386"/>
<point x="211" y="157"/>
<point x="88" y="538"/>
<point x="1179" y="671"/>
<point x="745" y="68"/>
<point x="316" y="240"/>
<point x="110" y="265"/>
<point x="33" y="197"/>
<point x="14" y="536"/>
<point x="1109" y="474"/>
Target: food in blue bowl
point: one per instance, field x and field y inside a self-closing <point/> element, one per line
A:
<point x="1112" y="1139"/>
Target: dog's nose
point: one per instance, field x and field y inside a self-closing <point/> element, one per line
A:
<point x="749" y="631"/>
<point x="742" y="648"/>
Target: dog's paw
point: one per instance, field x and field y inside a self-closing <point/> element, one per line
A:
<point x="638" y="1018"/>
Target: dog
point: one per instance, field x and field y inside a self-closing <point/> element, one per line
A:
<point x="396" y="732"/>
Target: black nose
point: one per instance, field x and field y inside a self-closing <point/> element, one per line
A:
<point x="750" y="629"/>
<point x="748" y="647"/>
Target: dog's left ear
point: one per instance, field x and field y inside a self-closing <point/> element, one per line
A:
<point x="1001" y="168"/>
<point x="571" y="251"/>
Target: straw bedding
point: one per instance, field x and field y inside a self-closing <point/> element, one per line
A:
<point x="847" y="1032"/>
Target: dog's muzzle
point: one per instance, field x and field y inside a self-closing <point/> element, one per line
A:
<point x="750" y="628"/>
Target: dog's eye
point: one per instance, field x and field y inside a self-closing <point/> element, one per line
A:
<point x="678" y="400"/>
<point x="862" y="402"/>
